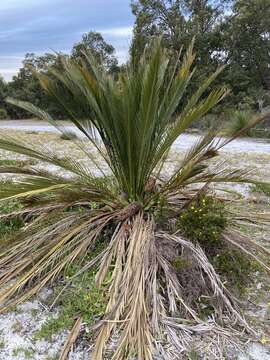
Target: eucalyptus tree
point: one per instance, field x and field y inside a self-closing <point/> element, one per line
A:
<point x="100" y="49"/>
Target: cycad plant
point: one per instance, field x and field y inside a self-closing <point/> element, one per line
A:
<point x="132" y="205"/>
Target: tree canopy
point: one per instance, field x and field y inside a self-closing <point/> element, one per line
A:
<point x="226" y="32"/>
<point x="26" y="86"/>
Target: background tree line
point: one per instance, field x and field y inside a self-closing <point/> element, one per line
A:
<point x="235" y="33"/>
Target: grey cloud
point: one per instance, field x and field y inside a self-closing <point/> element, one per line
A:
<point x="45" y="25"/>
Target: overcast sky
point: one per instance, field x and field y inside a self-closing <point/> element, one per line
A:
<point x="41" y="26"/>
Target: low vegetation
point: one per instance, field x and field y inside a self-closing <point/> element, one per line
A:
<point x="68" y="135"/>
<point x="240" y="120"/>
<point x="77" y="295"/>
<point x="83" y="298"/>
<point x="9" y="226"/>
<point x="17" y="163"/>
<point x="204" y="220"/>
<point x="3" y="114"/>
<point x="261" y="189"/>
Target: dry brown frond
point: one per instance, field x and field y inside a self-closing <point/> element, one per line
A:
<point x="129" y="305"/>
<point x="74" y="333"/>
<point x="43" y="254"/>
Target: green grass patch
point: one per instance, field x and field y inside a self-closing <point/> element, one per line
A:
<point x="11" y="226"/>
<point x="17" y="163"/>
<point x="27" y="353"/>
<point x="261" y="188"/>
<point x="81" y="298"/>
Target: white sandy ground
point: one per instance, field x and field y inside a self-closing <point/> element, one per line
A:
<point x="18" y="327"/>
<point x="255" y="351"/>
<point x="184" y="142"/>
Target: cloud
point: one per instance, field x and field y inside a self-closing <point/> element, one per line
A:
<point x="3" y="57"/>
<point x="41" y="26"/>
<point x="122" y="55"/>
<point x="7" y="5"/>
<point x="9" y="65"/>
<point x="120" y="38"/>
<point x="8" y="73"/>
<point x="125" y="31"/>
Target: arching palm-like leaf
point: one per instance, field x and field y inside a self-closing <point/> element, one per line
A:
<point x="132" y="122"/>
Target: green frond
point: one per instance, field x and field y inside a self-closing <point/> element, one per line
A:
<point x="137" y="118"/>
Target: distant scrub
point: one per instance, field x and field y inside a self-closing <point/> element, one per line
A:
<point x="69" y="135"/>
<point x="19" y="163"/>
<point x="3" y="114"/>
<point x="239" y="120"/>
<point x="262" y="188"/>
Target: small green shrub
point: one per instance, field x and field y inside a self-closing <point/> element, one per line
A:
<point x="203" y="221"/>
<point x="3" y="114"/>
<point x="235" y="267"/>
<point x="239" y="120"/>
<point x="69" y="135"/>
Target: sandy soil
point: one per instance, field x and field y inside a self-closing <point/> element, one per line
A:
<point x="182" y="143"/>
